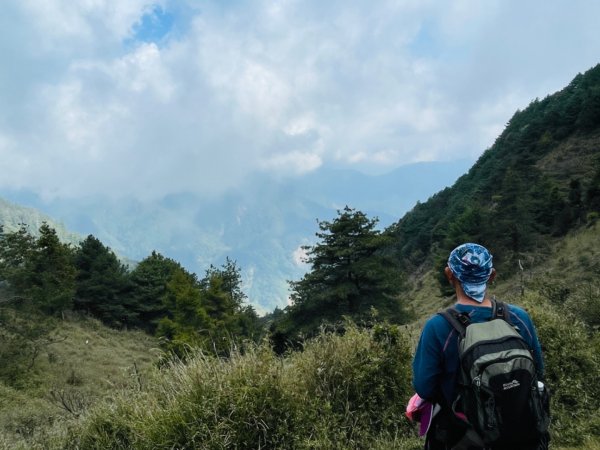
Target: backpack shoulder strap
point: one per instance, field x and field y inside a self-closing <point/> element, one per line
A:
<point x="500" y="310"/>
<point x="458" y="320"/>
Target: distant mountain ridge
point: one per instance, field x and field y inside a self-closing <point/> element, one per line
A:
<point x="12" y="216"/>
<point x="261" y="225"/>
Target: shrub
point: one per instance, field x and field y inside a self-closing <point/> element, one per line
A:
<point x="572" y="359"/>
<point x="585" y="304"/>
<point x="361" y="380"/>
<point x="339" y="392"/>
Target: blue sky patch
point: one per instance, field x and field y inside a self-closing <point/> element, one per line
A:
<point x="154" y="26"/>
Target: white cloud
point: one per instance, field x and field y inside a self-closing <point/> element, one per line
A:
<point x="294" y="162"/>
<point x="85" y="21"/>
<point x="284" y="86"/>
<point x="299" y="257"/>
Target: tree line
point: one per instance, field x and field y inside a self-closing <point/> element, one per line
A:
<point x="351" y="277"/>
<point x="158" y="295"/>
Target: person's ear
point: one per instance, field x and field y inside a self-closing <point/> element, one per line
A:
<point x="449" y="275"/>
<point x="492" y="276"/>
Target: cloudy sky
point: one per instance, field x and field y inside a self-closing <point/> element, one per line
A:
<point x="152" y="97"/>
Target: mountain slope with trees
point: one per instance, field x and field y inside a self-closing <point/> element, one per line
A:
<point x="539" y="180"/>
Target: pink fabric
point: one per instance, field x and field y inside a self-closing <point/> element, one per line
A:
<point x="422" y="411"/>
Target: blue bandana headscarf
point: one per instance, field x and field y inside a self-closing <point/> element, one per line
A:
<point x="472" y="265"/>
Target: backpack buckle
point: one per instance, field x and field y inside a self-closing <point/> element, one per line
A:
<point x="463" y="319"/>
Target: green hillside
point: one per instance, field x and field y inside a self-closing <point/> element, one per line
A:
<point x="539" y="181"/>
<point x="78" y="364"/>
<point x="358" y="381"/>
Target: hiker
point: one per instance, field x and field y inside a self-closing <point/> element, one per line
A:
<point x="437" y="373"/>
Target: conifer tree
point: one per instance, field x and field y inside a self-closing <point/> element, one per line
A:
<point x="350" y="276"/>
<point x="186" y="321"/>
<point x="51" y="273"/>
<point x="16" y="250"/>
<point x="224" y="300"/>
<point x="102" y="283"/>
<point x="148" y="286"/>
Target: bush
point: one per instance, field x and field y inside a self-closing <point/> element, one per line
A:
<point x="572" y="359"/>
<point x="340" y="392"/>
<point x="585" y="304"/>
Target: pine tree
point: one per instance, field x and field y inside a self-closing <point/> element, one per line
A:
<point x="16" y="250"/>
<point x="148" y="286"/>
<point x="186" y="322"/>
<point x="51" y="273"/>
<point x="102" y="282"/>
<point x="350" y="276"/>
<point x="232" y="320"/>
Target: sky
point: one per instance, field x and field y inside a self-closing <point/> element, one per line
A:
<point x="147" y="98"/>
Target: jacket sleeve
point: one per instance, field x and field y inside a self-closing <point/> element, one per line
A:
<point x="427" y="364"/>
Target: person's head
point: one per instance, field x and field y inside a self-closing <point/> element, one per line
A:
<point x="470" y="265"/>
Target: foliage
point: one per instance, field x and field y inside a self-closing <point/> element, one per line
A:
<point x="101" y="283"/>
<point x="209" y="313"/>
<point x="187" y="321"/>
<point x="539" y="180"/>
<point x="149" y="282"/>
<point x="159" y="295"/>
<point x="24" y="335"/>
<point x="582" y="301"/>
<point x="572" y="359"/>
<point x="16" y="250"/>
<point x="40" y="270"/>
<point x="350" y="276"/>
<point x="340" y="392"/>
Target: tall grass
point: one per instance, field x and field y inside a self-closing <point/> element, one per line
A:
<point x="83" y="363"/>
<point x="339" y="392"/>
<point x="572" y="357"/>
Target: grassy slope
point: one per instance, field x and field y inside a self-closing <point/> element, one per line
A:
<point x="88" y="363"/>
<point x="573" y="260"/>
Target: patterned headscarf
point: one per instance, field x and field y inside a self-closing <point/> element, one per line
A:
<point x="472" y="265"/>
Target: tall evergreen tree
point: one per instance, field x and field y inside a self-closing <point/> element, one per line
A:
<point x="231" y="278"/>
<point x="148" y="286"/>
<point x="350" y="275"/>
<point x="224" y="300"/>
<point x="102" y="283"/>
<point x="51" y="272"/>
<point x="186" y="321"/>
<point x="16" y="251"/>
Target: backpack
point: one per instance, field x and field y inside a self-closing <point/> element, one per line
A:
<point x="498" y="389"/>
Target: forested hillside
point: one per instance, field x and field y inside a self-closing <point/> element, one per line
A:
<point x="539" y="180"/>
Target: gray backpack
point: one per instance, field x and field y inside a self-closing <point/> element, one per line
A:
<point x="498" y="389"/>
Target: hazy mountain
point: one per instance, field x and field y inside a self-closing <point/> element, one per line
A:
<point x="260" y="225"/>
<point x="12" y="216"/>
